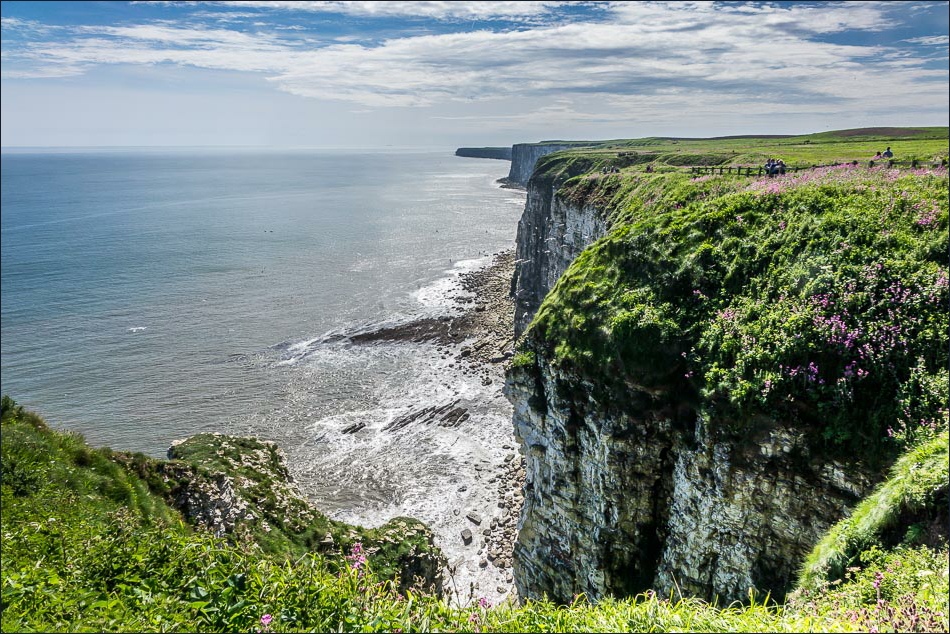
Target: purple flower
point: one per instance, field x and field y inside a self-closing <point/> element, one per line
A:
<point x="484" y="603"/>
<point x="356" y="557"/>
<point x="878" y="578"/>
<point x="266" y="619"/>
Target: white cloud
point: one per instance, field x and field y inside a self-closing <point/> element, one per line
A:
<point x="933" y="40"/>
<point x="656" y="58"/>
<point x="455" y="10"/>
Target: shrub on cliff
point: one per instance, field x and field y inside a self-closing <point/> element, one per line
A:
<point x="908" y="510"/>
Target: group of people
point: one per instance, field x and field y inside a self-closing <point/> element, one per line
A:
<point x="886" y="154"/>
<point x="612" y="169"/>
<point x="774" y="166"/>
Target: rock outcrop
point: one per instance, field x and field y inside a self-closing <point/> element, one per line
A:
<point x="524" y="157"/>
<point x="233" y="485"/>
<point x="502" y="153"/>
<point x="624" y="498"/>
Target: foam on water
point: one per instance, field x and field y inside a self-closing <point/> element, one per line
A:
<point x="446" y="292"/>
<point x="347" y="456"/>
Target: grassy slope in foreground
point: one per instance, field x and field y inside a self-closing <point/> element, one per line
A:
<point x="89" y="532"/>
<point x="86" y="547"/>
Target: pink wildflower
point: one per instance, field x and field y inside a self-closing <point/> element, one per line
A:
<point x="878" y="578"/>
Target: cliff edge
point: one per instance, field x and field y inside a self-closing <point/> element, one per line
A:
<point x="714" y="370"/>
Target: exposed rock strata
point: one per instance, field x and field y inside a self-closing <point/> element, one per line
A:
<point x="486" y="322"/>
<point x="551" y="233"/>
<point x="622" y="499"/>
<point x="524" y="156"/>
<point x="502" y="153"/>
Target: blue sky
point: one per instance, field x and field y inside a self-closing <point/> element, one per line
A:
<point x="447" y="74"/>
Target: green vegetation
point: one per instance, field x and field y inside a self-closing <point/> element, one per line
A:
<point x="825" y="148"/>
<point x="908" y="510"/>
<point x="91" y="532"/>
<point x="86" y="547"/>
<point x="523" y="359"/>
<point x="817" y="298"/>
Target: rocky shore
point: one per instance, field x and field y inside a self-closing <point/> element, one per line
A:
<point x="479" y="340"/>
<point x="486" y="316"/>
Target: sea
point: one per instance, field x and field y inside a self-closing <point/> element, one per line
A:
<point x="150" y="295"/>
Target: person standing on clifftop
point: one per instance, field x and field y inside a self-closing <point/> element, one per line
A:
<point x="888" y="153"/>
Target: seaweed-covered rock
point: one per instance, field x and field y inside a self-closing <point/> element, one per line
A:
<point x="241" y="486"/>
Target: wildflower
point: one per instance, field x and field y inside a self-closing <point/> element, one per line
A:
<point x="878" y="578"/>
<point x="265" y="621"/>
<point x="484" y="603"/>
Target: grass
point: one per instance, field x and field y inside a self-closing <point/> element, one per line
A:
<point x="817" y="298"/>
<point x="907" y="509"/>
<point x="825" y="148"/>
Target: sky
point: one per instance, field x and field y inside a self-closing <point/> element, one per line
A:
<point x="435" y="75"/>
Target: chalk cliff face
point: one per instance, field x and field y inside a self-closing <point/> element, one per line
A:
<point x="524" y="156"/>
<point x="622" y="499"/>
<point x="628" y="490"/>
<point x="502" y="153"/>
<point x="551" y="233"/>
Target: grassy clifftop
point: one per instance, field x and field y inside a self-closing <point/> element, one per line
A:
<point x="818" y="298"/>
<point x="841" y="146"/>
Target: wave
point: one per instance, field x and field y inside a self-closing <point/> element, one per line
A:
<point x="447" y="292"/>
